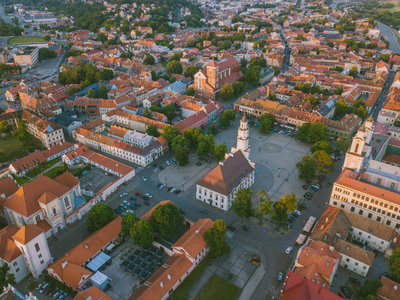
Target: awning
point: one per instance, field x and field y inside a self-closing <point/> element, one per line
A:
<point x="98" y="261"/>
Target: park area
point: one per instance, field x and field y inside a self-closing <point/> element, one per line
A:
<point x="12" y="148"/>
<point x="219" y="288"/>
<point x="25" y="40"/>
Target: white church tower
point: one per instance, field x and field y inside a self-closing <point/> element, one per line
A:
<point x="243" y="140"/>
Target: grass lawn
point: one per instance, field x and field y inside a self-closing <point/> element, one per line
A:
<point x="25" y="39"/>
<point x="32" y="286"/>
<point x="11" y="149"/>
<point x="181" y="292"/>
<point x="21" y="180"/>
<point x="219" y="288"/>
<point x="43" y="167"/>
<point x="53" y="173"/>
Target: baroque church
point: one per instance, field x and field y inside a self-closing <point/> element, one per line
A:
<point x="235" y="172"/>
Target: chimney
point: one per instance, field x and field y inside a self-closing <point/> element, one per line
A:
<point x="326" y="219"/>
<point x="197" y="230"/>
<point x="86" y="246"/>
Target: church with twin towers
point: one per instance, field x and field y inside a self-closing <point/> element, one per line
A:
<point x="235" y="172"/>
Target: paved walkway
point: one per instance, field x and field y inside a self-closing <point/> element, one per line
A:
<point x="235" y="268"/>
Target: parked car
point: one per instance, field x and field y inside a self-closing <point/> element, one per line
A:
<point x="169" y="188"/>
<point x="329" y="184"/>
<point x="55" y="296"/>
<point x="289" y="224"/>
<point x="308" y="194"/>
<point x="245" y="228"/>
<point x="138" y="194"/>
<point x="177" y="192"/>
<point x="123" y="195"/>
<point x="172" y="190"/>
<point x="342" y="295"/>
<point x="297" y="212"/>
<point x="289" y="249"/>
<point x="117" y="211"/>
<point x="146" y="203"/>
<point x="39" y="286"/>
<point x="49" y="290"/>
<point x="137" y="204"/>
<point x="313" y="188"/>
<point x="280" y="276"/>
<point x="85" y="173"/>
<point x="161" y="186"/>
<point x="168" y="162"/>
<point x="62" y="296"/>
<point x="129" y="211"/>
<point x="202" y="210"/>
<point x="345" y="291"/>
<point x="144" y="178"/>
<point x="133" y="206"/>
<point x="44" y="287"/>
<point x="132" y="198"/>
<point x="148" y="195"/>
<point x="232" y="228"/>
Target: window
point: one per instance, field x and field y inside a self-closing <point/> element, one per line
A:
<point x="66" y="202"/>
<point x="42" y="262"/>
<point x="359" y="233"/>
<point x="37" y="218"/>
<point x="392" y="185"/>
<point x="37" y="247"/>
<point x="369" y="216"/>
<point x="378" y="182"/>
<point x="378" y="219"/>
<point x="335" y="203"/>
<point x="342" y="205"/>
<point x="369" y="236"/>
<point x="17" y="270"/>
<point x="382" y="242"/>
<point x="360" y="212"/>
<point x="356" y="263"/>
<point x="388" y="222"/>
<point x="397" y="226"/>
<point x="54" y="211"/>
<point x="15" y="263"/>
<point x="40" y="256"/>
<point x="352" y="208"/>
<point x="347" y="260"/>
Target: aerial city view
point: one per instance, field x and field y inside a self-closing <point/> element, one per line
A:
<point x="200" y="149"/>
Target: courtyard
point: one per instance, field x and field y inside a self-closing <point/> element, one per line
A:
<point x="96" y="179"/>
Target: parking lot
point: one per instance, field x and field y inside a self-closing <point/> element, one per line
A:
<point x="96" y="179"/>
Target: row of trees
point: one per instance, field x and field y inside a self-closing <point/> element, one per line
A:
<point x="359" y="108"/>
<point x="229" y="91"/>
<point x="192" y="138"/>
<point x="83" y="74"/>
<point x="10" y="69"/>
<point x="45" y="53"/>
<point x="243" y="206"/>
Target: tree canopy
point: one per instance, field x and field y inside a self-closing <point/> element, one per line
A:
<point x="166" y="220"/>
<point x="99" y="216"/>
<point x="128" y="220"/>
<point x="215" y="238"/>
<point x="242" y="205"/>
<point x="312" y="132"/>
<point x="142" y="233"/>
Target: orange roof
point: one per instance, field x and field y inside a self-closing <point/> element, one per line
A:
<point x="389" y="289"/>
<point x="93" y="293"/>
<point x="67" y="179"/>
<point x="8" y="250"/>
<point x="159" y="284"/>
<point x="192" y="241"/>
<point x="8" y="186"/>
<point x="25" y="200"/>
<point x="27" y="233"/>
<point x="348" y="179"/>
<point x="224" y="177"/>
<point x="69" y="267"/>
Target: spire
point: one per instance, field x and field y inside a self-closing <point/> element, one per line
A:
<point x="212" y="64"/>
<point x="370" y="118"/>
<point x="244" y="119"/>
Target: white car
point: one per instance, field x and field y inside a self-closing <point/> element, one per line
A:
<point x="144" y="178"/>
<point x="168" y="162"/>
<point x="173" y="190"/>
<point x="289" y="249"/>
<point x="129" y="211"/>
<point x="297" y="212"/>
<point x="123" y="195"/>
<point x="148" y="195"/>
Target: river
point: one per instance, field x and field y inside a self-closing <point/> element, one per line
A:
<point x="387" y="32"/>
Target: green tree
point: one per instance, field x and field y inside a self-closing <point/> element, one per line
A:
<point x="264" y="206"/>
<point x="226" y="92"/>
<point x="287" y="203"/>
<point x="359" y="108"/>
<point x="323" y="146"/>
<point x="242" y="205"/>
<point x="191" y="70"/>
<point x="102" y="37"/>
<point x="91" y="94"/>
<point x="103" y="92"/>
<point x="307" y="168"/>
<point x="215" y="238"/>
<point x="5" y="128"/>
<point x="170" y="133"/>
<point x="266" y="122"/>
<point x="384" y="57"/>
<point x="341" y="146"/>
<point x="166" y="220"/>
<point x="192" y="135"/>
<point x="169" y="111"/>
<point x="369" y="289"/>
<point x="146" y="113"/>
<point x="394" y="264"/>
<point x="341" y="108"/>
<point x="182" y="154"/>
<point x="206" y="145"/>
<point x="219" y="151"/>
<point x="128" y="220"/>
<point x="243" y="63"/>
<point x="47" y="38"/>
<point x="353" y="72"/>
<point x="6" y="277"/>
<point x="191" y="91"/>
<point x="174" y="67"/>
<point x="312" y="132"/>
<point x="99" y="216"/>
<point x="323" y="162"/>
<point x="149" y="60"/>
<point x="152" y="130"/>
<point x="238" y="87"/>
<point x="142" y="233"/>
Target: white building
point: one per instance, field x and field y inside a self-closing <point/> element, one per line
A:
<point x="367" y="186"/>
<point x="235" y="172"/>
<point x="24" y="250"/>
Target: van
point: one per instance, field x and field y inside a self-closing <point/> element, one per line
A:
<point x="44" y="287"/>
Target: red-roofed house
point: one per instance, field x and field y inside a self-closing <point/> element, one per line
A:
<point x="209" y="81"/>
